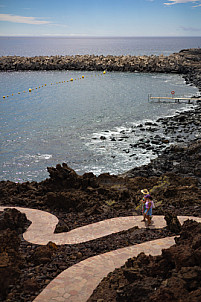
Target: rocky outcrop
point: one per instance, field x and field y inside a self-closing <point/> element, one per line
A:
<point x="187" y="62"/>
<point x="192" y="70"/>
<point x="173" y="223"/>
<point x="43" y="254"/>
<point x="10" y="260"/>
<point x="14" y="220"/>
<point x="64" y="176"/>
<point x="179" y="159"/>
<point x="12" y="223"/>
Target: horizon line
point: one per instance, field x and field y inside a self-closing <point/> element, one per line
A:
<point x="88" y="36"/>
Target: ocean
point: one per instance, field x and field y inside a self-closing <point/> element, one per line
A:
<point x="47" y="46"/>
<point x="87" y="122"/>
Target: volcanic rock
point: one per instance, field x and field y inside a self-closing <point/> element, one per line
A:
<point x="14" y="220"/>
<point x="186" y="62"/>
<point x="10" y="260"/>
<point x="43" y="254"/>
<point x="173" y="223"/>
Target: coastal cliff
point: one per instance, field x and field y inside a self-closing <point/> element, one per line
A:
<point x="187" y="62"/>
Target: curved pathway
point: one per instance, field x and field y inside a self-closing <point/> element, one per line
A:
<point x="77" y="283"/>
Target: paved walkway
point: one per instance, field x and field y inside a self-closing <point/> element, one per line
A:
<point x="77" y="283"/>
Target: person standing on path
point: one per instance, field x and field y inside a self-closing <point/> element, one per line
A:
<point x="149" y="206"/>
<point x="144" y="192"/>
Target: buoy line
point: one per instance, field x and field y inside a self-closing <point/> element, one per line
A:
<point x="45" y="85"/>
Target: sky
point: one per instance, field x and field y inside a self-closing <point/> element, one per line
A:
<point x="113" y="18"/>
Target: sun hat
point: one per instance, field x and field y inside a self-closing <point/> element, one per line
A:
<point x="145" y="191"/>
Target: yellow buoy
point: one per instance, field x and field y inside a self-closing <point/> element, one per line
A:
<point x="42" y="85"/>
<point x="45" y="84"/>
<point x="29" y="89"/>
<point x="104" y="72"/>
<point x="4" y="97"/>
<point x="18" y="92"/>
<point x="36" y="88"/>
<point x="12" y="94"/>
<point x="71" y="79"/>
<point x="83" y="77"/>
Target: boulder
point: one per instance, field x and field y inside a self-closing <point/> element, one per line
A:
<point x="173" y="223"/>
<point x="14" y="220"/>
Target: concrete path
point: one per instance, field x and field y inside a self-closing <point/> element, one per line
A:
<point x="77" y="283"/>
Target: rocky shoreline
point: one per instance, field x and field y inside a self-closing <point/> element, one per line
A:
<point x="187" y="62"/>
<point x="79" y="200"/>
<point x="173" y="178"/>
<point x="177" y="159"/>
<point x="152" y="138"/>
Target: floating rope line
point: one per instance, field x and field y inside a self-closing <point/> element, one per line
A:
<point x="45" y="85"/>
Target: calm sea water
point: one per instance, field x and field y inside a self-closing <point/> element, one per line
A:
<point x="115" y="46"/>
<point x="64" y="122"/>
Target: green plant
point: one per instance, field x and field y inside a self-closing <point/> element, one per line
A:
<point x="162" y="184"/>
<point x="110" y="202"/>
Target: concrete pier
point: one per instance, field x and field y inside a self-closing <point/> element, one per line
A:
<point x="165" y="99"/>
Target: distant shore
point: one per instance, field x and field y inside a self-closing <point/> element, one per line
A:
<point x="187" y="63"/>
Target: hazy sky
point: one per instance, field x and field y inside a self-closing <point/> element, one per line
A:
<point x="100" y="18"/>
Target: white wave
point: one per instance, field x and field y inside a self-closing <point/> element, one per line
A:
<point x="36" y="156"/>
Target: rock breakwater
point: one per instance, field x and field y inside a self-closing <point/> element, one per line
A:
<point x="187" y="62"/>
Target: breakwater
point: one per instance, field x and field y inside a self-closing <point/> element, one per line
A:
<point x="187" y="62"/>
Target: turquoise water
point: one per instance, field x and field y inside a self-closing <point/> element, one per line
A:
<point x="63" y="122"/>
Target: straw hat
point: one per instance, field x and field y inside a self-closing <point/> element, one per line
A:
<point x="145" y="191"/>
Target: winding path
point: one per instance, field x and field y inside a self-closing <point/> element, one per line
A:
<point x="77" y="283"/>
